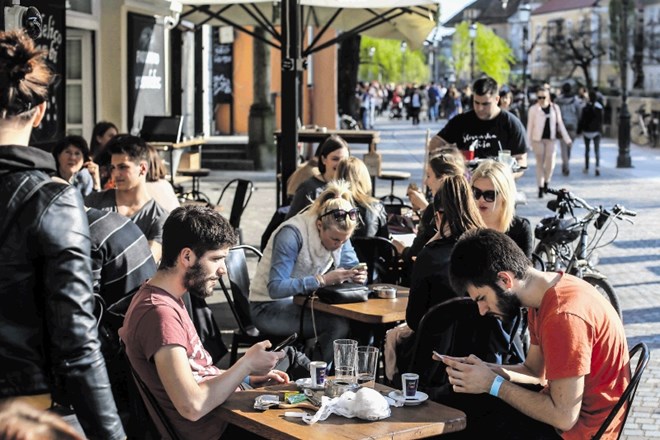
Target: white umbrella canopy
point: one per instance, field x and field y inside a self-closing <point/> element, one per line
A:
<point x="408" y="20"/>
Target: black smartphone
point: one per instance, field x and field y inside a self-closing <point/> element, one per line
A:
<point x="288" y="341"/>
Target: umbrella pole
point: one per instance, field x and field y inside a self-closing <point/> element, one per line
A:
<point x="291" y="66"/>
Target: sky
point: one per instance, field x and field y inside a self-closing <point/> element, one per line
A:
<point x="448" y="8"/>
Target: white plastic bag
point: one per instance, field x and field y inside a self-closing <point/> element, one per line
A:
<point x="366" y="404"/>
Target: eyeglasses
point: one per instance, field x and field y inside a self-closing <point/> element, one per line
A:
<point x="488" y="196"/>
<point x="541" y="97"/>
<point x="340" y="214"/>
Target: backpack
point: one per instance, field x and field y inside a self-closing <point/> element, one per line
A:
<point x="569" y="112"/>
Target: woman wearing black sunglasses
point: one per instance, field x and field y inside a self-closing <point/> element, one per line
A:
<point x="494" y="190"/>
<point x="308" y="251"/>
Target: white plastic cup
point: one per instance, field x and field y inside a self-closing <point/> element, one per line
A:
<point x="409" y="383"/>
<point x="317" y="370"/>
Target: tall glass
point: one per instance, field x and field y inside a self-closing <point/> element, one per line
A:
<point x="345" y="358"/>
<point x="367" y="361"/>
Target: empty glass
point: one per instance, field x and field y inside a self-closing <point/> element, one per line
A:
<point x="367" y="361"/>
<point x="345" y="357"/>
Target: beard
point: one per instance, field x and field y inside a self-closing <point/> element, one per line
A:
<point x="508" y="303"/>
<point x="198" y="282"/>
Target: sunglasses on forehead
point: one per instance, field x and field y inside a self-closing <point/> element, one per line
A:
<point x="341" y="214"/>
<point x="488" y="196"/>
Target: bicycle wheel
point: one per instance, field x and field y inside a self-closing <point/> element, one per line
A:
<point x="638" y="136"/>
<point x="605" y="289"/>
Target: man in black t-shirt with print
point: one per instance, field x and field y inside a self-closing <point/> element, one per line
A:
<point x="491" y="127"/>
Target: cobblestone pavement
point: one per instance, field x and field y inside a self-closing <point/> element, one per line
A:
<point x="632" y="262"/>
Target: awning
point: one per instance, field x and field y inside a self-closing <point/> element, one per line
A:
<point x="284" y="21"/>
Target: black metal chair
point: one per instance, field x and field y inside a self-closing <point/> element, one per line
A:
<point x="242" y="195"/>
<point x="455" y="328"/>
<point x="382" y="258"/>
<point x="239" y="280"/>
<point x="393" y="176"/>
<point x="195" y="193"/>
<point x="157" y="416"/>
<point x="626" y="399"/>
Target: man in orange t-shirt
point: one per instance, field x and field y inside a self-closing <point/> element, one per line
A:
<point x="578" y="351"/>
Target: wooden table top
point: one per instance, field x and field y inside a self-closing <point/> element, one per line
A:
<point x="183" y="144"/>
<point x="412" y="422"/>
<point x="374" y="311"/>
<point x="350" y="136"/>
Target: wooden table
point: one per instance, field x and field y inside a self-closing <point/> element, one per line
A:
<point x="374" y="311"/>
<point x="191" y="160"/>
<point x="412" y="422"/>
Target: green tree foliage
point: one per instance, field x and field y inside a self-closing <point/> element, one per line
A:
<point x="384" y="62"/>
<point x="492" y="55"/>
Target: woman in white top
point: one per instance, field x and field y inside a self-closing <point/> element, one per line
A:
<point x="544" y="122"/>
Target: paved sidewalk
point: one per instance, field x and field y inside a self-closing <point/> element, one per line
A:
<point x="632" y="262"/>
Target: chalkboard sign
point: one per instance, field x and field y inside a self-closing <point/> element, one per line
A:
<point x="52" y="41"/>
<point x="222" y="70"/>
<point x="146" y="69"/>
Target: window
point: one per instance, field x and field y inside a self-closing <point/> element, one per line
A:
<point x="79" y="91"/>
<point x="83" y="6"/>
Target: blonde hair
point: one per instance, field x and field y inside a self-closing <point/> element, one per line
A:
<point x="505" y="189"/>
<point x="355" y="172"/>
<point x="337" y="195"/>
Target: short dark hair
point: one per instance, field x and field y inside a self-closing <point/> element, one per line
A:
<point x="566" y="88"/>
<point x="480" y="254"/>
<point x="77" y="141"/>
<point x="485" y="86"/>
<point x="196" y="227"/>
<point x="132" y="146"/>
<point x="332" y="143"/>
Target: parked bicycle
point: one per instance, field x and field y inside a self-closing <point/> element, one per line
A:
<point x="556" y="234"/>
<point x="645" y="129"/>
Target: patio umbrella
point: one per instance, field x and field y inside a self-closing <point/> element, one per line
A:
<point x="408" y="20"/>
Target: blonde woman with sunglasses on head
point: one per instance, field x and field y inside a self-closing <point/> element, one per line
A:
<point x="494" y="191"/>
<point x="308" y="251"/>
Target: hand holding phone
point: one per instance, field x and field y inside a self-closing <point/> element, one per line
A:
<point x="360" y="266"/>
<point x="288" y="341"/>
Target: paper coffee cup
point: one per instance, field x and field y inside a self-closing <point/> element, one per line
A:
<point x="317" y="371"/>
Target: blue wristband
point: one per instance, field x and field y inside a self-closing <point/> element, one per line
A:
<point x="495" y="387"/>
<point x="246" y="380"/>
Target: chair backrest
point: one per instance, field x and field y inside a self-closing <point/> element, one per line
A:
<point x="455" y="328"/>
<point x="397" y="208"/>
<point x="381" y="256"/>
<point x="158" y="416"/>
<point x="626" y="399"/>
<point x="242" y="195"/>
<point x="239" y="281"/>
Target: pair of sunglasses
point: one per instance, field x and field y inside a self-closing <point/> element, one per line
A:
<point x="488" y="196"/>
<point x="341" y="214"/>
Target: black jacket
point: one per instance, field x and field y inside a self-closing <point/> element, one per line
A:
<point x="374" y="221"/>
<point x="48" y="336"/>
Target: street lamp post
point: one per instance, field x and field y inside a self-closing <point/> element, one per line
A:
<point x="473" y="35"/>
<point x="404" y="46"/>
<point x="525" y="12"/>
<point x="623" y="159"/>
<point x="372" y="52"/>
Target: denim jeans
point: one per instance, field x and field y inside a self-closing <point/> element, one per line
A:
<point x="282" y="317"/>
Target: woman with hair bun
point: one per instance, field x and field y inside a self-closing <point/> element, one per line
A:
<point x="308" y="251"/>
<point x="50" y="346"/>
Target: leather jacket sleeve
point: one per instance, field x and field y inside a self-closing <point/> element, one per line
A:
<point x="62" y="239"/>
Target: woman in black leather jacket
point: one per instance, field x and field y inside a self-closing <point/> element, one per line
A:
<point x="372" y="212"/>
<point x="48" y="337"/>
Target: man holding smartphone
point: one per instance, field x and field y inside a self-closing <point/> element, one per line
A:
<point x="162" y="344"/>
<point x="578" y="358"/>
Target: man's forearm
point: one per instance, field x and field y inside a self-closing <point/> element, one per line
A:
<point x="518" y="373"/>
<point x="538" y="406"/>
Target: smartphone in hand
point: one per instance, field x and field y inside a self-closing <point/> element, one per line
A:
<point x="288" y="341"/>
<point x="360" y="266"/>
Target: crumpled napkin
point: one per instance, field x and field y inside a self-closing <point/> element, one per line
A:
<point x="366" y="404"/>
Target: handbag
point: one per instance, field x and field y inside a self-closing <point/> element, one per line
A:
<point x="343" y="293"/>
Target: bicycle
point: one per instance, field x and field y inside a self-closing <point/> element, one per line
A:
<point x="645" y="128"/>
<point x="556" y="233"/>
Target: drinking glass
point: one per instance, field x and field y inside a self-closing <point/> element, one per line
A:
<point x="367" y="361"/>
<point x="345" y="356"/>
